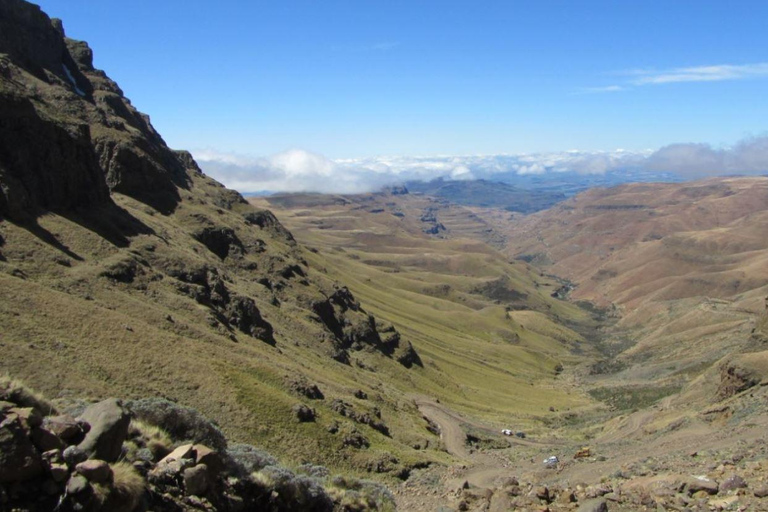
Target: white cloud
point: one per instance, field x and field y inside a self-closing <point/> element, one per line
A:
<point x="700" y="74"/>
<point x="715" y="73"/>
<point x="599" y="90"/>
<point x="301" y="171"/>
<point x="749" y="156"/>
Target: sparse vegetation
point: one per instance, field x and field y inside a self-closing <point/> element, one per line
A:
<point x="633" y="397"/>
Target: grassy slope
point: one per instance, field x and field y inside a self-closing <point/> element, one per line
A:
<point x="479" y="358"/>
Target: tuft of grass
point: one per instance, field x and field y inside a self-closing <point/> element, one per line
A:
<point x="14" y="390"/>
<point x="152" y="437"/>
<point x="125" y="491"/>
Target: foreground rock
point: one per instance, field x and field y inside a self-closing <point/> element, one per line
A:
<point x="88" y="477"/>
<point x="108" y="422"/>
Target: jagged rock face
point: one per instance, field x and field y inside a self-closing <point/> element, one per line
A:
<point x="45" y="165"/>
<point x="742" y="372"/>
<point x="67" y="134"/>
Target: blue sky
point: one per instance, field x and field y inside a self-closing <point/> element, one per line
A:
<point x="354" y="79"/>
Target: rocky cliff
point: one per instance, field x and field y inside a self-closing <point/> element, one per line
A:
<point x="150" y="277"/>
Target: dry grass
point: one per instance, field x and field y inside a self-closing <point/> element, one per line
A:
<point x="152" y="437"/>
<point x="14" y="390"/>
<point x="125" y="491"/>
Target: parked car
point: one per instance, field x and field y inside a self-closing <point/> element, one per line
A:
<point x="551" y="461"/>
<point x="506" y="432"/>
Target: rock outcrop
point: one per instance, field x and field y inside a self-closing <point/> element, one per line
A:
<point x="190" y="477"/>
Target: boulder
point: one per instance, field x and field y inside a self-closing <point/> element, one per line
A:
<point x="77" y="484"/>
<point x="542" y="493"/>
<point x="46" y="440"/>
<point x="29" y="416"/>
<point x="197" y="480"/>
<point x="65" y="427"/>
<point x="182" y="452"/>
<point x="303" y="413"/>
<point x="594" y="505"/>
<point x="109" y="427"/>
<point x="59" y="472"/>
<point x="211" y="459"/>
<point x="733" y="482"/>
<point x="73" y="456"/>
<point x="19" y="460"/>
<point x="698" y="484"/>
<point x="95" y="471"/>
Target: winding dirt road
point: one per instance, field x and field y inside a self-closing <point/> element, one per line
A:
<point x="485" y="470"/>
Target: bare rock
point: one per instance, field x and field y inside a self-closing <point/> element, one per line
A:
<point x="19" y="460"/>
<point x="95" y="471"/>
<point x="594" y="505"/>
<point x="733" y="482"/>
<point x="761" y="492"/>
<point x="66" y="427"/>
<point x="59" y="472"/>
<point x="77" y="484"/>
<point x="695" y="485"/>
<point x="109" y="427"/>
<point x="182" y="452"/>
<point x="73" y="456"/>
<point x="211" y="459"/>
<point x="29" y="416"/>
<point x="542" y="493"/>
<point x="46" y="440"/>
<point x="197" y="480"/>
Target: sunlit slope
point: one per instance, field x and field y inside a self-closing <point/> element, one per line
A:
<point x="640" y="243"/>
<point x="686" y="265"/>
<point x="486" y="328"/>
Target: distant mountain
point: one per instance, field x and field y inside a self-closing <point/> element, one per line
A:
<point x="488" y="194"/>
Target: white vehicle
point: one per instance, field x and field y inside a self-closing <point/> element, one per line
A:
<point x="551" y="461"/>
<point x="506" y="432"/>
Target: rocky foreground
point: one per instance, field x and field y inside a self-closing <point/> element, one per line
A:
<point x="119" y="456"/>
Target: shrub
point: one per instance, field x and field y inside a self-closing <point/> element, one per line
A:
<point x="181" y="423"/>
<point x="313" y="471"/>
<point x="360" y="495"/>
<point x="291" y="492"/>
<point x="244" y="459"/>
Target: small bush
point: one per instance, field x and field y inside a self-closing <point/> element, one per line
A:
<point x="313" y="471"/>
<point x="181" y="423"/>
<point x="244" y="459"/>
<point x="291" y="492"/>
<point x="12" y="390"/>
<point x="361" y="495"/>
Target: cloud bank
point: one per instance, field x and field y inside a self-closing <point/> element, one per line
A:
<point x="297" y="170"/>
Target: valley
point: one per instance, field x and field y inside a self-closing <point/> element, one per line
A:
<point x="659" y="385"/>
<point x="353" y="352"/>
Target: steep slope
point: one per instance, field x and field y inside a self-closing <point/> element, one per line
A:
<point x="125" y="271"/>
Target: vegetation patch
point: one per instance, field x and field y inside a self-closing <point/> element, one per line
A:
<point x="633" y="397"/>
